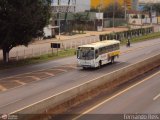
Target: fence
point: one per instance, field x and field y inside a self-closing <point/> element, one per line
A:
<point x="21" y="52"/>
<point x="127" y="34"/>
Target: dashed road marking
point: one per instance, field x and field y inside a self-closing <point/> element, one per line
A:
<point x="2" y="88"/>
<point x="116" y="95"/>
<point x="156" y="97"/>
<point x="20" y="82"/>
<point x="34" y="77"/>
<point x="81" y="85"/>
<point x="47" y="73"/>
<point x="59" y="69"/>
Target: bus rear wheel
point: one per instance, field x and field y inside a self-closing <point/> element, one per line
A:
<point x="112" y="59"/>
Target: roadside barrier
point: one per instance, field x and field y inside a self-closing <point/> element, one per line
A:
<point x="84" y="91"/>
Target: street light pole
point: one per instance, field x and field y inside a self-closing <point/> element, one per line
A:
<point x="125" y="10"/>
<point x="151" y="15"/>
<point x="113" y="15"/>
<point x="59" y="22"/>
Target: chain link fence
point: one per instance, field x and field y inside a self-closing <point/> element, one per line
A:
<point x="31" y="51"/>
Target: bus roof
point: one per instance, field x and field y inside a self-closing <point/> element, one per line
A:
<point x="101" y="44"/>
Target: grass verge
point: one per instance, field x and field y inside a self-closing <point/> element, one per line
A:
<point x="66" y="53"/>
<point x="34" y="60"/>
<point x="142" y="38"/>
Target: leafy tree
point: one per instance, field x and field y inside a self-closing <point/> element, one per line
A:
<point x="94" y="10"/>
<point x="155" y="7"/>
<point x="142" y="16"/>
<point x="80" y="21"/>
<point x="21" y="21"/>
<point x="117" y="8"/>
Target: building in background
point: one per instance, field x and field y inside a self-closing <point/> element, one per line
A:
<point x="104" y="3"/>
<point x="135" y="4"/>
<point x="142" y="3"/>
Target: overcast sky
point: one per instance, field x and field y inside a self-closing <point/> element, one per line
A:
<point x="81" y="4"/>
<point x="149" y="1"/>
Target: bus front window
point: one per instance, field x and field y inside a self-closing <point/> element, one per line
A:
<point x="85" y="54"/>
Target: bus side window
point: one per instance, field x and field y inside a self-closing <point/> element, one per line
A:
<point x="96" y="54"/>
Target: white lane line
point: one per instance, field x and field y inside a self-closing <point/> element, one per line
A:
<point x="78" y="86"/>
<point x="20" y="82"/>
<point x="122" y="52"/>
<point x="47" y="73"/>
<point x="34" y="77"/>
<point x="114" y="96"/>
<point x="156" y="97"/>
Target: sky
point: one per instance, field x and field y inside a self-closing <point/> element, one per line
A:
<point x="81" y="5"/>
<point x="149" y="1"/>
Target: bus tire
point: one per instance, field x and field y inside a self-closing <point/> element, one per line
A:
<point x="84" y="68"/>
<point x="100" y="64"/>
<point x="112" y="59"/>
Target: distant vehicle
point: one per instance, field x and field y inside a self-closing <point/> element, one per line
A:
<point x="97" y="54"/>
<point x="128" y="43"/>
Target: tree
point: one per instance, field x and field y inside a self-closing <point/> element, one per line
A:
<point x="21" y="21"/>
<point x="80" y="21"/>
<point x="155" y="8"/>
<point x="117" y="8"/>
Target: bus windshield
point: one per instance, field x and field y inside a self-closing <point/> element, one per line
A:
<point x="85" y="54"/>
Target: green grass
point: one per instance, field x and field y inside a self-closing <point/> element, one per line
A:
<point x="142" y="38"/>
<point x="34" y="60"/>
<point x="66" y="53"/>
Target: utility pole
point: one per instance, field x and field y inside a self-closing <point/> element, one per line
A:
<point x="59" y="22"/>
<point x="125" y="10"/>
<point x="113" y="15"/>
<point x="151" y="14"/>
<point x="100" y="24"/>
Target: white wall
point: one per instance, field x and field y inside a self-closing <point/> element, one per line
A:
<point x="142" y="21"/>
<point x="47" y="31"/>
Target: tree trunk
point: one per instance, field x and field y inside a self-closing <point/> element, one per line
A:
<point x="5" y="55"/>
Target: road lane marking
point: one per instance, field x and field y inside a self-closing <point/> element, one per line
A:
<point x="116" y="95"/>
<point x="3" y="88"/>
<point x="156" y="97"/>
<point x="47" y="73"/>
<point x="34" y="77"/>
<point x="20" y="82"/>
<point x="77" y="86"/>
<point x="126" y="51"/>
<point x="59" y="69"/>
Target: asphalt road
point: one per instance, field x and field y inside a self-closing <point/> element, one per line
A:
<point x="17" y="98"/>
<point x="141" y="97"/>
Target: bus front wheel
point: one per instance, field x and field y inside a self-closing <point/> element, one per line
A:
<point x="84" y="68"/>
<point x="100" y="64"/>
